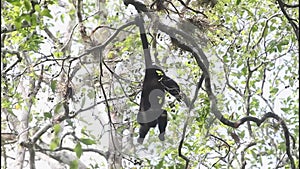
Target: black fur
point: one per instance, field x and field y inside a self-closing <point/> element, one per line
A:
<point x="153" y="95"/>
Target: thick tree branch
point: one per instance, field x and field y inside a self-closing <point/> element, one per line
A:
<point x="23" y="136"/>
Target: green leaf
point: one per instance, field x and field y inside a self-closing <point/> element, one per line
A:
<point x="33" y="19"/>
<point x="78" y="150"/>
<point x="279" y="47"/>
<point x="237" y="2"/>
<point x="74" y="164"/>
<point x="70" y="123"/>
<point x="14" y="2"/>
<point x="284" y="42"/>
<point x="87" y="141"/>
<point x="254" y="28"/>
<point x="274" y="90"/>
<point x="62" y="18"/>
<point x="254" y="154"/>
<point x="47" y="115"/>
<point x="37" y="8"/>
<point x="31" y="74"/>
<point x="54" y="143"/>
<point x="53" y="85"/>
<point x="259" y="91"/>
<point x="27" y="5"/>
<point x="58" y="54"/>
<point x="242" y="134"/>
<point x="17" y="24"/>
<point x="244" y="70"/>
<point x="83" y="101"/>
<point x="57" y="108"/>
<point x="46" y="12"/>
<point x="160" y="164"/>
<point x="266" y="31"/>
<point x="56" y="128"/>
<point x="83" y="131"/>
<point x="5" y="103"/>
<point x="91" y="94"/>
<point x="249" y="12"/>
<point x="286" y="110"/>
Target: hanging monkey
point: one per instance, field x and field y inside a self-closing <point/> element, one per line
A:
<point x="155" y="84"/>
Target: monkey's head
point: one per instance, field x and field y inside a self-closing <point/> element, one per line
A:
<point x="157" y="70"/>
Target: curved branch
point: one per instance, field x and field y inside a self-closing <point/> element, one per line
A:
<point x="291" y="20"/>
<point x="260" y="121"/>
<point x="226" y="152"/>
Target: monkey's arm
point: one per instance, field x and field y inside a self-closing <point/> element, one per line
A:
<point x="172" y="87"/>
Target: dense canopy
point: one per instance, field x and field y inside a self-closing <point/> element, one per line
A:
<point x="72" y="74"/>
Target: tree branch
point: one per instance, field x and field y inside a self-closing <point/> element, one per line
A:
<point x="182" y="3"/>
<point x="223" y="141"/>
<point x="102" y="46"/>
<point x="291" y="20"/>
<point x="213" y="100"/>
<point x="15" y="63"/>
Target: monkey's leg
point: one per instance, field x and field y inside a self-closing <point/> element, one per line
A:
<point x="143" y="132"/>
<point x="162" y="124"/>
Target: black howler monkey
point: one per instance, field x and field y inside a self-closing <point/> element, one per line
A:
<point x="153" y="95"/>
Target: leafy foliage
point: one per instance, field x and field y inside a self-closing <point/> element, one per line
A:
<point x="72" y="75"/>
